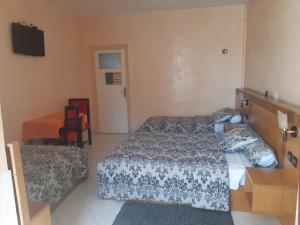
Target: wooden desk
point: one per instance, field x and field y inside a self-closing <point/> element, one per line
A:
<point x="46" y="127"/>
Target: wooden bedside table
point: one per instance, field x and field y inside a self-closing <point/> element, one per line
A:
<point x="227" y="127"/>
<point x="231" y="126"/>
<point x="272" y="191"/>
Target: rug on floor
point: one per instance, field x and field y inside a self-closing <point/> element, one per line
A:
<point x="133" y="213"/>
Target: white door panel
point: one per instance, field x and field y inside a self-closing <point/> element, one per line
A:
<point x="110" y="85"/>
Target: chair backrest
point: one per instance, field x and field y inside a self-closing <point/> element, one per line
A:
<point x="83" y="104"/>
<point x="72" y="119"/>
<point x="15" y="162"/>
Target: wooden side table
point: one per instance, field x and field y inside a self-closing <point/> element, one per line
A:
<point x="272" y="191"/>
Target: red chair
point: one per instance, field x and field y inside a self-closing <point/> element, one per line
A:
<point x="84" y="107"/>
<point x="71" y="132"/>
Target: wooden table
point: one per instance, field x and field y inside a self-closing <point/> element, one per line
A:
<point x="46" y="127"/>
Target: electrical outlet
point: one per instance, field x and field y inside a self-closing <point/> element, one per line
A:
<point x="290" y="156"/>
<point x="294" y="161"/>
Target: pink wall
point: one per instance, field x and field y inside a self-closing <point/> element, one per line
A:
<point x="30" y="86"/>
<point x="272" y="52"/>
<point x="175" y="61"/>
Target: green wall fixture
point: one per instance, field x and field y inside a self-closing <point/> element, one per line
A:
<point x="225" y="51"/>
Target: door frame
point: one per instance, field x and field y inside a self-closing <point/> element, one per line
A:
<point x="94" y="88"/>
<point x="6" y="177"/>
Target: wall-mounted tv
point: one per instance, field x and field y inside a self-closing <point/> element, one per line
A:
<point x="27" y="40"/>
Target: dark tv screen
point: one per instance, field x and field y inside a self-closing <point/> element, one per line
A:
<point x="27" y="40"/>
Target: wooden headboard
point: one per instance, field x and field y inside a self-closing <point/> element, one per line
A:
<point x="262" y="115"/>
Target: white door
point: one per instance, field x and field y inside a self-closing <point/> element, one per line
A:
<point x="111" y="91"/>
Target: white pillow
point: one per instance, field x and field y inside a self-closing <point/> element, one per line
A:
<point x="235" y="119"/>
<point x="223" y="115"/>
<point x="267" y="161"/>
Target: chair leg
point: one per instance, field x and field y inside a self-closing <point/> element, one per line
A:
<point x="90" y="136"/>
<point x="79" y="140"/>
<point x="79" y="144"/>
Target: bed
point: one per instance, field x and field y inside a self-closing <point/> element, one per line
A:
<point x="51" y="171"/>
<point x="261" y="114"/>
<point x="166" y="160"/>
<point x="170" y="167"/>
<point x="184" y="168"/>
<point x="192" y="124"/>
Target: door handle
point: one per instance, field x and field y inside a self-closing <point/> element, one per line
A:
<point x="124" y="92"/>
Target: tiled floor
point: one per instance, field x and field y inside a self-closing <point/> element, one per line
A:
<point x="82" y="207"/>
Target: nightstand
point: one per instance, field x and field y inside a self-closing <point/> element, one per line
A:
<point x="272" y="191"/>
<point x="231" y="126"/>
<point x="228" y="127"/>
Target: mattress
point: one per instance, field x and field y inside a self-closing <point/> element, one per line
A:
<point x="237" y="163"/>
<point x="169" y="167"/>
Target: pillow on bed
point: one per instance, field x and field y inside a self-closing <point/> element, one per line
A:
<point x="223" y="115"/>
<point x="152" y="124"/>
<point x="260" y="154"/>
<point x="235" y="119"/>
<point x="236" y="139"/>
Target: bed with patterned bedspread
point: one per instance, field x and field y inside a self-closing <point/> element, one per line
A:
<point x="192" y="124"/>
<point x="168" y="124"/>
<point x="51" y="171"/>
<point x="181" y="168"/>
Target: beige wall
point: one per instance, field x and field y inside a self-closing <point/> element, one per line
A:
<point x="175" y="61"/>
<point x="30" y="86"/>
<point x="273" y="48"/>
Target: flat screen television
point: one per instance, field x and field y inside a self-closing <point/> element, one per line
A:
<point x="27" y="40"/>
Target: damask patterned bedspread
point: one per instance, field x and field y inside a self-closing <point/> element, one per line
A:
<point x="170" y="167"/>
<point x="168" y="124"/>
<point x="50" y="171"/>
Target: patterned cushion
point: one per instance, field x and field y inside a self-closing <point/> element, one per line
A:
<point x="237" y="139"/>
<point x="152" y="124"/>
<point x="260" y="154"/>
<point x="202" y="124"/>
<point x="223" y="115"/>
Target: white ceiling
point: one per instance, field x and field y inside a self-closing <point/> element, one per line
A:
<point x="94" y="7"/>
